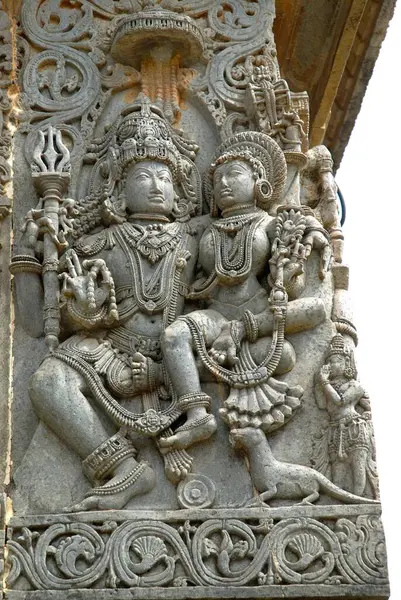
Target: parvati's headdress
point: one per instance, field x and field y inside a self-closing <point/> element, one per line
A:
<point x="266" y="159"/>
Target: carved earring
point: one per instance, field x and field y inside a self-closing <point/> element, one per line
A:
<point x="349" y="372"/>
<point x="113" y="209"/>
<point x="180" y="208"/>
<point x="263" y="191"/>
<point x="121" y="204"/>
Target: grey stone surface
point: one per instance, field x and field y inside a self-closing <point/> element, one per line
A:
<point x="205" y="550"/>
<point x="296" y="592"/>
<point x="5" y="236"/>
<point x="184" y="346"/>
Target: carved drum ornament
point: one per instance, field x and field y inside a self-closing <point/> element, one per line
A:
<point x="189" y="394"/>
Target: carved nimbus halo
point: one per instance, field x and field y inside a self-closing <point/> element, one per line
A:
<point x="266" y="159"/>
<point x="141" y="133"/>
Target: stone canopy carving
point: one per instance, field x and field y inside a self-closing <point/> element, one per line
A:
<point x="192" y="410"/>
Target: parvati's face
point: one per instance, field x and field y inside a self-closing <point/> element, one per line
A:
<point x="337" y="365"/>
<point x="234" y="185"/>
<point x="149" y="189"/>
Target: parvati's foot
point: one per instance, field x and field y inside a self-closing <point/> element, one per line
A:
<point x="177" y="465"/>
<point x="193" y="431"/>
<point x="118" y="491"/>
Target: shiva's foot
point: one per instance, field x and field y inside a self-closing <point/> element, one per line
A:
<point x="131" y="480"/>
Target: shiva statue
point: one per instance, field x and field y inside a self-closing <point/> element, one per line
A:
<point x="124" y="279"/>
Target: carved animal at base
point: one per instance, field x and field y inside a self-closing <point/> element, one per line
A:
<point x="286" y="481"/>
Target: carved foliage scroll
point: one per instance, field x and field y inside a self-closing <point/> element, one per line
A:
<point x="215" y="552"/>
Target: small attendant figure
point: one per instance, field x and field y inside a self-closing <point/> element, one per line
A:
<point x="346" y="446"/>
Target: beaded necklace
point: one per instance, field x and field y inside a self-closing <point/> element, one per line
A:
<point x="152" y="241"/>
<point x="234" y="262"/>
<point x="161" y="289"/>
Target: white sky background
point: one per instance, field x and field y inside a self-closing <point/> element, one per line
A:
<point x="370" y="180"/>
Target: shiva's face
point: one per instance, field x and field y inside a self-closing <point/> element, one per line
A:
<point x="149" y="189"/>
<point x="234" y="185"/>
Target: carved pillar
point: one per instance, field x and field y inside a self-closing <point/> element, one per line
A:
<point x="187" y="412"/>
<point x="7" y="78"/>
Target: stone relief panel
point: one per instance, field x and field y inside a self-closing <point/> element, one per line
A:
<point x="184" y="347"/>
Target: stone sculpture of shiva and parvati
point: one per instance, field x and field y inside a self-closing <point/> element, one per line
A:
<point x="141" y="256"/>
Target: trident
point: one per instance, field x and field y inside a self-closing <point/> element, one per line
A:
<point x="51" y="176"/>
